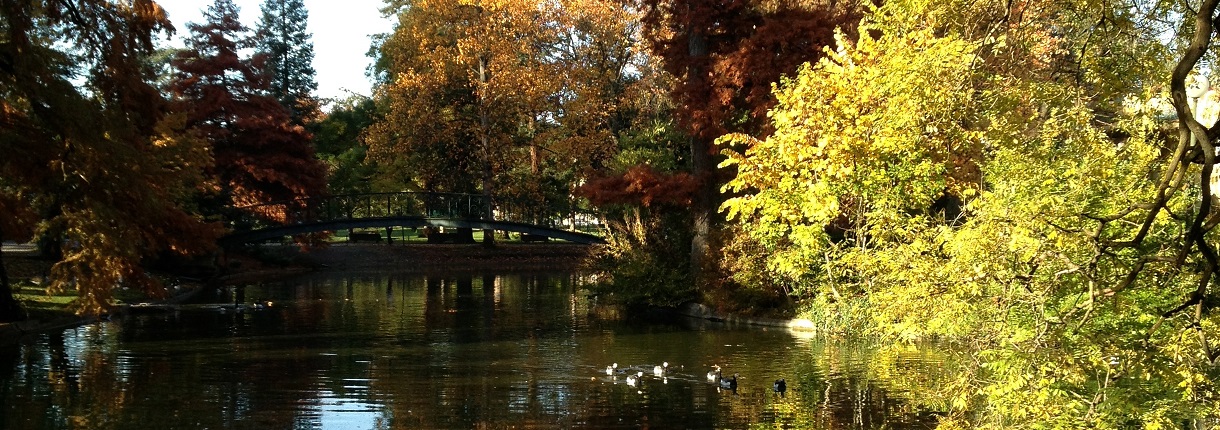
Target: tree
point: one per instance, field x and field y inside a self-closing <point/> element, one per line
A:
<point x="467" y="84"/>
<point x="601" y="69"/>
<point x="726" y="56"/>
<point x="260" y="155"/>
<point x="1079" y="269"/>
<point x="281" y="36"/>
<point x="339" y="139"/>
<point x="641" y="208"/>
<point x="91" y="152"/>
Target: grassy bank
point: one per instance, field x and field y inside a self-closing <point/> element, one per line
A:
<point x="27" y="272"/>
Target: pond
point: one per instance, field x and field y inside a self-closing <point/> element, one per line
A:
<point x="445" y="351"/>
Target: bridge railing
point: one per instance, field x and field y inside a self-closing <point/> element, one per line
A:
<point x="366" y="205"/>
<point x="380" y="205"/>
<point x="411" y="203"/>
<point x="558" y="216"/>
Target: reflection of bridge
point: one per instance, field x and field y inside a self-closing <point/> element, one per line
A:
<point x="404" y="209"/>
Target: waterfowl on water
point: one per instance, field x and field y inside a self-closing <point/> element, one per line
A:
<point x="611" y="368"/>
<point x="660" y="370"/>
<point x="714" y="374"/>
<point x="780" y="386"/>
<point x="729" y="383"/>
<point x="634" y="379"/>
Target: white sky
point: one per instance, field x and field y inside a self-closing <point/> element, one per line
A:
<point x="341" y="32"/>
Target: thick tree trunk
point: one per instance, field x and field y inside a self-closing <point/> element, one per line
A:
<point x="703" y="211"/>
<point x="10" y="310"/>
<point x="704" y="207"/>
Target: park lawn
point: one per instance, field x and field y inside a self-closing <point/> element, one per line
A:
<point x="41" y="305"/>
<point x="410" y="235"/>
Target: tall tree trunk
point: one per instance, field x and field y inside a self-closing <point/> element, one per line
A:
<point x="704" y="206"/>
<point x="535" y="170"/>
<point x="10" y="310"/>
<point x="489" y="235"/>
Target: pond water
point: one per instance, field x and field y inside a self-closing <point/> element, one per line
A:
<point x="455" y="351"/>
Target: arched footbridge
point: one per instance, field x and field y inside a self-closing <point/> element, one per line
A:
<point x="403" y="209"/>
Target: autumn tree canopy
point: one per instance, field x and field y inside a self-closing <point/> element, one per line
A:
<point x="93" y="160"/>
<point x="1078" y="267"/>
<point x="260" y="156"/>
<point x="515" y="99"/>
<point x="726" y="56"/>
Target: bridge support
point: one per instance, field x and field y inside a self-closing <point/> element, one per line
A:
<point x="489" y="238"/>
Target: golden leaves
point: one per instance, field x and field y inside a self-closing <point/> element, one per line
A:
<point x="489" y="83"/>
<point x="876" y="121"/>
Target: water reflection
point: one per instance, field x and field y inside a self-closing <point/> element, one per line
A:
<point x="392" y="351"/>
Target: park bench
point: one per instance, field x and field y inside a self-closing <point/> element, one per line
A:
<point x="527" y="238"/>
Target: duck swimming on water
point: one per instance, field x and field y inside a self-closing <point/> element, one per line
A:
<point x="714" y="374"/>
<point x="632" y="380"/>
<point x="780" y="386"/>
<point x="660" y="370"/>
<point x="729" y="383"/>
<point x="611" y="368"/>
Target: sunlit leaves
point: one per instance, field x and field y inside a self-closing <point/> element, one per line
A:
<point x="95" y="155"/>
<point x="869" y="133"/>
<point x="463" y="79"/>
<point x="1023" y="126"/>
<point x="519" y="99"/>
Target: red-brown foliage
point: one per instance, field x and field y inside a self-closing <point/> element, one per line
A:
<point x="728" y="53"/>
<point x="91" y="159"/>
<point x="641" y="186"/>
<point x="260" y="155"/>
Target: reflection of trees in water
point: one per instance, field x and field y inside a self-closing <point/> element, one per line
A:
<point x="450" y="351"/>
<point x="73" y="380"/>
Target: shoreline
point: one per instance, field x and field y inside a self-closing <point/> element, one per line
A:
<point x="445" y="257"/>
<point x="409" y="258"/>
<point x="704" y="312"/>
<point x="22" y="264"/>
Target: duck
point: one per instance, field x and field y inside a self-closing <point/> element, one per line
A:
<point x="729" y="383"/>
<point x="780" y="386"/>
<point x="714" y="374"/>
<point x="632" y="380"/>
<point x="611" y="368"/>
<point x="661" y="369"/>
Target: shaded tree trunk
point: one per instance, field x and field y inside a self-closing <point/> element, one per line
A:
<point x="489" y="236"/>
<point x="10" y="310"/>
<point x="704" y="207"/>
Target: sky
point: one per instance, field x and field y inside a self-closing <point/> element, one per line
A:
<point x="341" y="32"/>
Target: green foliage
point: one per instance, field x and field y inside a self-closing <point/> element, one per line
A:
<point x="282" y="38"/>
<point x="867" y="134"/>
<point x="640" y="261"/>
<point x="338" y="138"/>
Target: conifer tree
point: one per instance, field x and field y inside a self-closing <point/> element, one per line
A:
<point x="281" y="36"/>
<point x="260" y="155"/>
